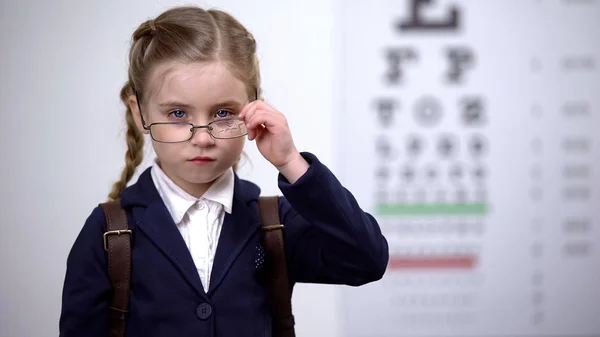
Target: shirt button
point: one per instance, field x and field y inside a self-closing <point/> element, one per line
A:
<point x="200" y="204"/>
<point x="204" y="311"/>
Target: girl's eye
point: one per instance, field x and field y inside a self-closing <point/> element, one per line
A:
<point x="223" y="113"/>
<point x="177" y="114"/>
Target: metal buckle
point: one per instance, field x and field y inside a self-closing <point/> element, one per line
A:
<point x="272" y="227"/>
<point x="119" y="232"/>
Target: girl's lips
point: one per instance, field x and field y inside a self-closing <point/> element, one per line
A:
<point x="202" y="160"/>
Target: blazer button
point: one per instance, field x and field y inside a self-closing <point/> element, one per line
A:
<point x="204" y="311"/>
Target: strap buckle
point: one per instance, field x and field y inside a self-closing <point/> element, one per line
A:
<point x="272" y="227"/>
<point x="118" y="232"/>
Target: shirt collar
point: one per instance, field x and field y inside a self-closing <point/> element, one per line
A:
<point x="179" y="201"/>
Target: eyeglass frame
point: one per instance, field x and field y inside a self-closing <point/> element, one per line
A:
<point x="193" y="127"/>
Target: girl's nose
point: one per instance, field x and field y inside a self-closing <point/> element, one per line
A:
<point x="202" y="138"/>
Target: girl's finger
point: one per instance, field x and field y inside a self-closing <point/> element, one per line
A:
<point x="248" y="112"/>
<point x="246" y="109"/>
<point x="259" y="119"/>
<point x="258" y="133"/>
<point x="253" y="123"/>
<point x="266" y="118"/>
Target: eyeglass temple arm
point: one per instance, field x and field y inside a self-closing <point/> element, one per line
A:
<point x="137" y="99"/>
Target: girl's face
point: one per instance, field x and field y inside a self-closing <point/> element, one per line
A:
<point x="196" y="93"/>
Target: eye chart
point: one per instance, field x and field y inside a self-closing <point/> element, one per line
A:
<point x="469" y="129"/>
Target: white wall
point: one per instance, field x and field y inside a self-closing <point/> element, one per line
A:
<point x="62" y="64"/>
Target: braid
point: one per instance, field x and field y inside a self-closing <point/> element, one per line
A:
<point x="135" y="147"/>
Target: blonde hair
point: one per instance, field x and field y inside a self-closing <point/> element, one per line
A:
<point x="185" y="34"/>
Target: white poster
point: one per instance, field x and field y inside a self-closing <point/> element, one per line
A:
<point x="470" y="129"/>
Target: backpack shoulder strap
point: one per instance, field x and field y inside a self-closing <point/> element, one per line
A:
<point x="280" y="297"/>
<point x="117" y="242"/>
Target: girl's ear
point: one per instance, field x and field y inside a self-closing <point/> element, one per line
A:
<point x="135" y="111"/>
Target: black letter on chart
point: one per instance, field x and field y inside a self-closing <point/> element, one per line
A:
<point x="396" y="58"/>
<point x="460" y="59"/>
<point x="418" y="22"/>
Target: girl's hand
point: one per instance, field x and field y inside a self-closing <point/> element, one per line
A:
<point x="269" y="128"/>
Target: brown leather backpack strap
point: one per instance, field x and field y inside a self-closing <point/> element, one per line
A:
<point x="280" y="296"/>
<point x="117" y="242"/>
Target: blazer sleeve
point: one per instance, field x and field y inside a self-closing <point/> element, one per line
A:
<point x="329" y="238"/>
<point x="87" y="289"/>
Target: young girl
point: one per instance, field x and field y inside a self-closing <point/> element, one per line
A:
<point x="193" y="87"/>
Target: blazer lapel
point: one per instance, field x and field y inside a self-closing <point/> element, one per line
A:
<point x="158" y="225"/>
<point x="238" y="228"/>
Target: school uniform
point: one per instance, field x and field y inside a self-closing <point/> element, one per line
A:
<point x="205" y="280"/>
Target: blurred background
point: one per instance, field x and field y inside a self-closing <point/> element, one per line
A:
<point x="468" y="128"/>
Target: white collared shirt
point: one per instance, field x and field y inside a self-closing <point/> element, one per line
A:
<point x="199" y="220"/>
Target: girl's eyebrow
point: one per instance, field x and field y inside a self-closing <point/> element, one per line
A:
<point x="228" y="103"/>
<point x="175" y="104"/>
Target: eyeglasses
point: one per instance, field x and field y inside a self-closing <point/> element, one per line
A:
<point x="177" y="132"/>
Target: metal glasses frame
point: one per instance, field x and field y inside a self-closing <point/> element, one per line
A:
<point x="192" y="126"/>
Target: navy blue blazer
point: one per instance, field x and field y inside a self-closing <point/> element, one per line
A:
<point x="328" y="239"/>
